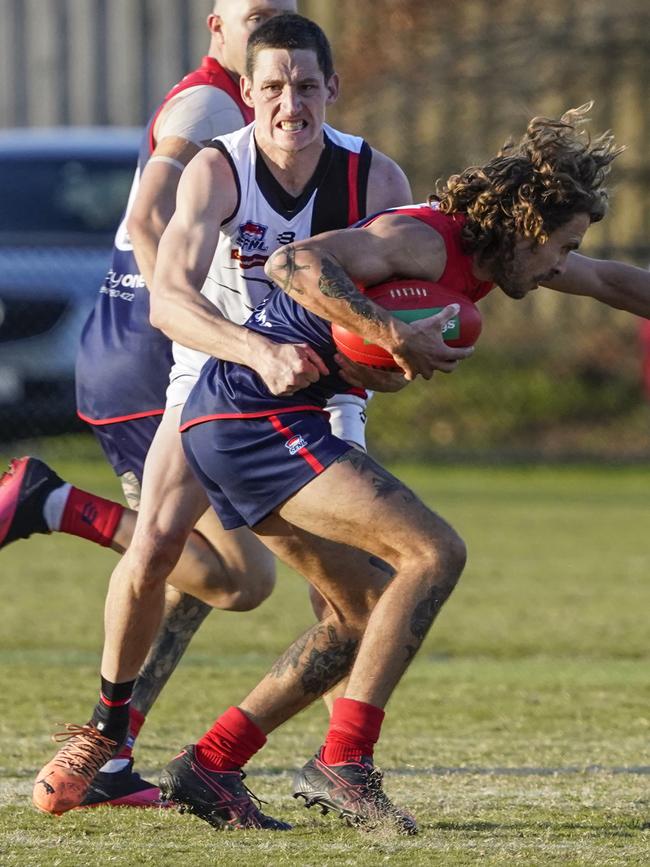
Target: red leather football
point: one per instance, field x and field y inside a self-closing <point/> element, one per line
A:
<point x="409" y="300"/>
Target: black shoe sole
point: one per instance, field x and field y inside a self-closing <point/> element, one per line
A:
<point x="354" y="820"/>
<point x="320" y="799"/>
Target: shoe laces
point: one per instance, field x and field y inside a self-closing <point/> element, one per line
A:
<point x="251" y="809"/>
<point x="86" y="751"/>
<point x="384" y="803"/>
<point x="376" y="790"/>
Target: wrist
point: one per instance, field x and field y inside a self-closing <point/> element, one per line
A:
<point x="393" y="335"/>
<point x="257" y="348"/>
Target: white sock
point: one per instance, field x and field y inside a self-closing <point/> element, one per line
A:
<point x="112" y="766"/>
<point x="55" y="506"/>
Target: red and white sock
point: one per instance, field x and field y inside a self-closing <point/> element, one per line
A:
<point x="78" y="513"/>
<point x="354" y="730"/>
<point x="231" y="742"/>
<point x="122" y="759"/>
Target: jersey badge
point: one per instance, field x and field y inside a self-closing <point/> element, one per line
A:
<point x="295" y="444"/>
<point x="251" y="236"/>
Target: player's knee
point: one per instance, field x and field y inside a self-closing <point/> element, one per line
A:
<point x="454" y="554"/>
<point x="442" y="555"/>
<point x="255" y="589"/>
<point x="152" y="561"/>
<point x="234" y="590"/>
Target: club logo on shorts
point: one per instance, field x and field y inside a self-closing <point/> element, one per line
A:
<point x="295" y="444"/>
<point x="251" y="236"/>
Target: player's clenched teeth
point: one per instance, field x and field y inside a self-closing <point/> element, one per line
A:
<point x="292" y="125"/>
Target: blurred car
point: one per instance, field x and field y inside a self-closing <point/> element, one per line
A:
<point x="63" y="193"/>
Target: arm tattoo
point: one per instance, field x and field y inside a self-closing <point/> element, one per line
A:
<point x="335" y="283"/>
<point x="285" y="271"/>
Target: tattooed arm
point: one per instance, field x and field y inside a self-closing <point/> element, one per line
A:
<point x="322" y="274"/>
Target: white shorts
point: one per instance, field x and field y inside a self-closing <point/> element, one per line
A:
<point x="348" y="418"/>
<point x="180" y="385"/>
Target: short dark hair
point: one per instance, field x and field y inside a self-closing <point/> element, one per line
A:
<point x="290" y="31"/>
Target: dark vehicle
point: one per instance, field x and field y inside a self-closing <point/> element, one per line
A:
<point x="62" y="194"/>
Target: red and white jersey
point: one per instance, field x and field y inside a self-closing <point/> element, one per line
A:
<point x="266" y="217"/>
<point x="118" y="338"/>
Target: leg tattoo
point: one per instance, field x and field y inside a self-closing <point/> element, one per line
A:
<point x="383" y="482"/>
<point x="424" y="613"/>
<point x="131" y="489"/>
<point x="182" y="619"/>
<point x="320" y="657"/>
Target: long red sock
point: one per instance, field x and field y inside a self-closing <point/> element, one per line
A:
<point x="91" y="517"/>
<point x="353" y="732"/>
<point x="136" y="721"/>
<point x="231" y="742"/>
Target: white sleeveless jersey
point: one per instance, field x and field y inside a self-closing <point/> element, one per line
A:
<point x="266" y="217"/>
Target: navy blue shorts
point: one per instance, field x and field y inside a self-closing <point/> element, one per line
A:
<point x="126" y="443"/>
<point x="250" y="466"/>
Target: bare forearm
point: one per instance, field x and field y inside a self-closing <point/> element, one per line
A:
<point x="617" y="284"/>
<point x="319" y="282"/>
<point x="145" y="247"/>
<point x="628" y="288"/>
<point x="191" y="320"/>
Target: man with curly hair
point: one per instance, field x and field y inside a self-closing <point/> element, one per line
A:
<point x="516" y="221"/>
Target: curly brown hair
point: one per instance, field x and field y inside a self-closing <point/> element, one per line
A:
<point x="532" y="186"/>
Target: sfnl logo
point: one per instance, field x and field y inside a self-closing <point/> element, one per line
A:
<point x="295" y="444"/>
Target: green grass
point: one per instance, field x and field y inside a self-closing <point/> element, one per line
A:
<point x="519" y="735"/>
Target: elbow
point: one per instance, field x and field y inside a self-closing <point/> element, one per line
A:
<point x="159" y="314"/>
<point x="142" y="228"/>
<point x="269" y="265"/>
<point x="136" y="227"/>
<point x="280" y="267"/>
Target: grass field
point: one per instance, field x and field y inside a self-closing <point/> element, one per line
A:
<point x="519" y="735"/>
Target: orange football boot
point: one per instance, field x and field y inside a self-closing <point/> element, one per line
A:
<point x="62" y="784"/>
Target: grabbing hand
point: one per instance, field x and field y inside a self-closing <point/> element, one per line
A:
<point x="289" y="367"/>
<point x="423" y="351"/>
<point x="371" y="378"/>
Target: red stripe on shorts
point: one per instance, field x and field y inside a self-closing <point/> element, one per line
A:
<point x="132" y="417"/>
<point x="304" y="452"/>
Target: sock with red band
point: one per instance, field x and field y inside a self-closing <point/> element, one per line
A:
<point x="136" y="721"/>
<point x="231" y="742"/>
<point x="353" y="732"/>
<point x="111" y="714"/>
<point x="90" y="517"/>
<point x="125" y="755"/>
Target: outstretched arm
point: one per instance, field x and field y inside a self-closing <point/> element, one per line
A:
<point x="615" y="283"/>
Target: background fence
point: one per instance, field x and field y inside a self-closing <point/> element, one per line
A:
<point x="438" y="85"/>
